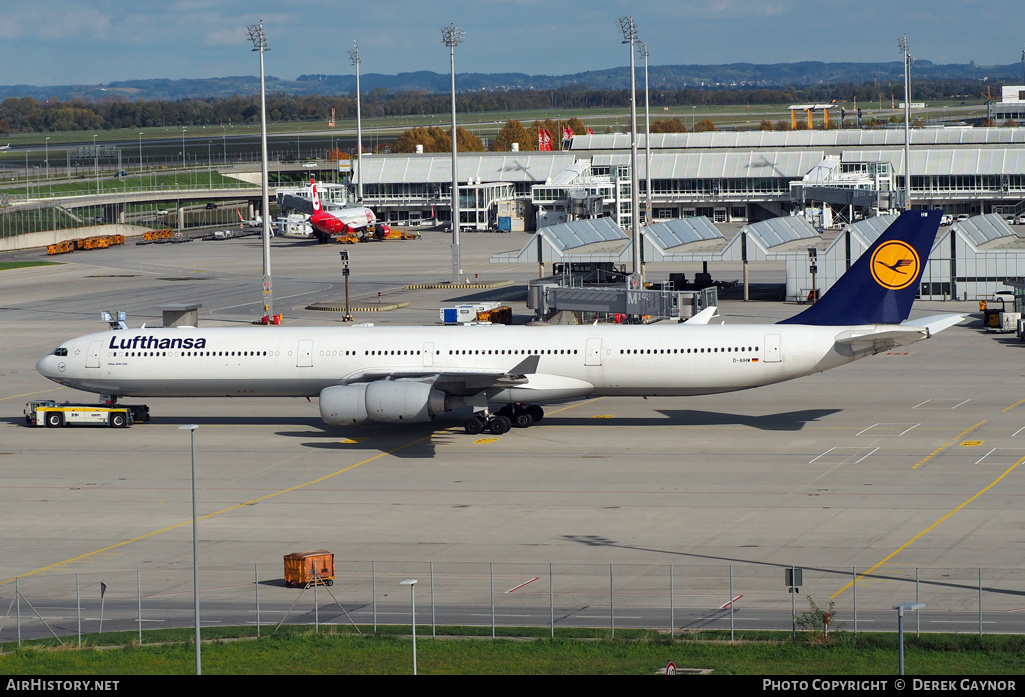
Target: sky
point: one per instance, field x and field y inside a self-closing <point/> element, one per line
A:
<point x="61" y="42"/>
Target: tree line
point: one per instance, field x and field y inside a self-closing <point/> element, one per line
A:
<point x="26" y="114"/>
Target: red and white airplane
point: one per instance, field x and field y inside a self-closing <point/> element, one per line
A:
<point x="343" y="220"/>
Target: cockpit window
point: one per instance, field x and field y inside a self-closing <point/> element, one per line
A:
<point x="60" y="351"/>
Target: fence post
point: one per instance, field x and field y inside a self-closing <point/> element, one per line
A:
<point x="138" y="593"/>
<point x="256" y="585"/>
<point x="854" y="587"/>
<point x="732" y="602"/>
<point x="918" y="600"/>
<point x="551" y="596"/>
<point x="78" y="605"/>
<point x="980" y="601"/>
<point x="672" y="604"/>
<point x="491" y="568"/>
<point x="612" y="603"/>
<point x="434" y="626"/>
<point x="373" y="590"/>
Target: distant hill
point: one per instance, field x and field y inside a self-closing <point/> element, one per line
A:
<point x="666" y="77"/>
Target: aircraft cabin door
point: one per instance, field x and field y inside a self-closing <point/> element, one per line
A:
<point x="92" y="356"/>
<point x="772" y="352"/>
<point x="592" y="352"/>
<point x="304" y="356"/>
<point x="428" y="354"/>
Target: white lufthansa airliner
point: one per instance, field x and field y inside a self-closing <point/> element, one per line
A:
<point x="410" y="374"/>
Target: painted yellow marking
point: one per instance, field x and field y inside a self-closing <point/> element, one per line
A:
<point x="185" y="523"/>
<point x="350" y="441"/>
<point x="930" y="528"/>
<point x="1016" y="404"/>
<point x="971" y="443"/>
<point x="602" y="416"/>
<point x="29" y="394"/>
<point x="943" y="447"/>
<point x="485" y="440"/>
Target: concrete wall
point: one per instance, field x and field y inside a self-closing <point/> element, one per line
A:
<point x="31" y="240"/>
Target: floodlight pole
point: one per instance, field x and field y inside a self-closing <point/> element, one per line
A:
<point x="901" y="608"/>
<point x="356" y="60"/>
<point x="647" y="137"/>
<point x="629" y="29"/>
<point x="451" y="36"/>
<point x="259" y="40"/>
<point x="902" y="42"/>
<point x="411" y="582"/>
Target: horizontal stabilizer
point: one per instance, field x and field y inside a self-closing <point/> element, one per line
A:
<point x="872" y="342"/>
<point x="934" y="323"/>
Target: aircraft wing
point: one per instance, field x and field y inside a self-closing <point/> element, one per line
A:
<point x="704" y="316"/>
<point x="462" y="382"/>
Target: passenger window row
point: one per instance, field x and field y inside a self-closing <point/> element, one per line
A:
<point x="239" y="354"/>
<point x="716" y="349"/>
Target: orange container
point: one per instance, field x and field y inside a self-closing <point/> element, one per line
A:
<point x="303" y="569"/>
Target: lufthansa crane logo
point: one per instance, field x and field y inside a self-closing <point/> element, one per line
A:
<point x="895" y="265"/>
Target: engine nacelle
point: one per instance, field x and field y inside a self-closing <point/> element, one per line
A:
<point x="389" y="401"/>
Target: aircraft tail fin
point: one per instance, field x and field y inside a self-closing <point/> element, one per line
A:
<point x="314" y="195"/>
<point x="881" y="285"/>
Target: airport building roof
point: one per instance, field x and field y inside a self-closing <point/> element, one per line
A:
<point x="988" y="232"/>
<point x="715" y="165"/>
<point x="593" y="239"/>
<point x="436" y="168"/>
<point x="946" y="161"/>
<point x="850" y="138"/>
<point x="786" y="234"/>
<point x="683" y="239"/>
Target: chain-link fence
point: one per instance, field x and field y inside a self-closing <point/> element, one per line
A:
<point x="502" y="594"/>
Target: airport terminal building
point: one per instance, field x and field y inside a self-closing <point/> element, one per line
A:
<point x="834" y="176"/>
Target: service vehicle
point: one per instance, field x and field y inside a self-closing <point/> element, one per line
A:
<point x="306" y="569"/>
<point x="47" y="412"/>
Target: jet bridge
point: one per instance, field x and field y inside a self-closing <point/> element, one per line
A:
<point x="546" y="297"/>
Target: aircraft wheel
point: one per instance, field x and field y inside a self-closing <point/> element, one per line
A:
<point x="523" y="418"/>
<point x="473" y="425"/>
<point x="500" y="425"/>
<point x="537" y="412"/>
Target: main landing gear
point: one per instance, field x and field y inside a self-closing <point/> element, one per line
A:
<point x="499" y="422"/>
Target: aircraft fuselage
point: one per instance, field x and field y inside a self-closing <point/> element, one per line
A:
<point x="572" y="361"/>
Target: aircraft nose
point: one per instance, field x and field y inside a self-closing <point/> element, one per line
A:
<point x="51" y="367"/>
